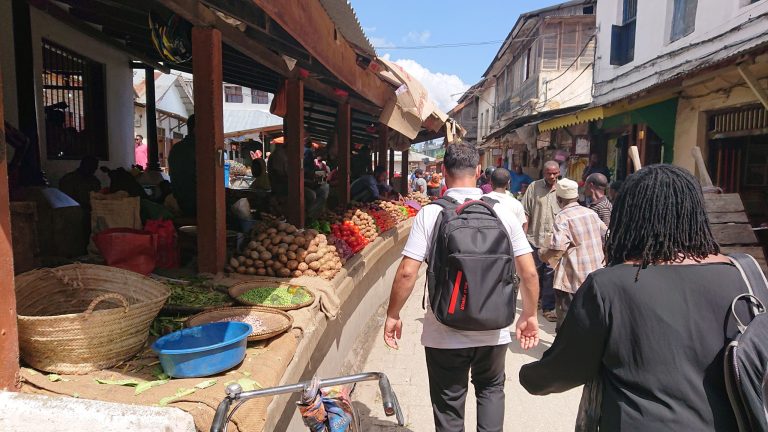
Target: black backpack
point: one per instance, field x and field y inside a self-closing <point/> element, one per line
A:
<point x="471" y="275"/>
<point x="746" y="357"/>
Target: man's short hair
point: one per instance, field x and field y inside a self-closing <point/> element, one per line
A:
<point x="551" y="164"/>
<point x="418" y="171"/>
<point x="139" y="137"/>
<point x="379" y="170"/>
<point x="500" y="178"/>
<point x="598" y="179"/>
<point x="461" y="159"/>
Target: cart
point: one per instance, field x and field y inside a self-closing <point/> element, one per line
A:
<point x="236" y="395"/>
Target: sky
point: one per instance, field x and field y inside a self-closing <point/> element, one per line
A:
<point x="446" y="72"/>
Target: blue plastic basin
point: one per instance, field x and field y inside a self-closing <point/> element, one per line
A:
<point x="203" y="350"/>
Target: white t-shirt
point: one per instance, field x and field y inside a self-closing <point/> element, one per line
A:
<point x="435" y="334"/>
<point x="510" y="204"/>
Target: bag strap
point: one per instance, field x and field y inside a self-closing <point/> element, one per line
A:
<point x="753" y="276"/>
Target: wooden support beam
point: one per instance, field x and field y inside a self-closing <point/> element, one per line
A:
<point x="344" y="136"/>
<point x="153" y="161"/>
<point x="209" y="137"/>
<point x="404" y="173"/>
<point x="383" y="145"/>
<point x="9" y="337"/>
<point x="754" y="84"/>
<point x="310" y="25"/>
<point x="60" y="14"/>
<point x="294" y="142"/>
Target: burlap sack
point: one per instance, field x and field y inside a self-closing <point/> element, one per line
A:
<point x="117" y="210"/>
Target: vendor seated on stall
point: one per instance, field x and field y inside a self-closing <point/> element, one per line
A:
<point x="79" y="183"/>
<point x="182" y="168"/>
<point x="371" y="187"/>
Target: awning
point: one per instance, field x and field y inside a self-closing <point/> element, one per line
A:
<point x="600" y="112"/>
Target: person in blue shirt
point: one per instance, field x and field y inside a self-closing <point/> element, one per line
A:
<point x="518" y="179"/>
<point x="370" y="187"/>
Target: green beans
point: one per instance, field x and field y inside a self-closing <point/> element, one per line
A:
<point x="196" y="296"/>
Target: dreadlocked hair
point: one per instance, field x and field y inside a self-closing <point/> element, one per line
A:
<point x="659" y="217"/>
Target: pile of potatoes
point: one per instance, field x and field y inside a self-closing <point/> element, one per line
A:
<point x="284" y="251"/>
<point x="364" y="222"/>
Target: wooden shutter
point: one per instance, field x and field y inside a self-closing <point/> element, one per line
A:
<point x="569" y="45"/>
<point x="587" y="38"/>
<point x="550" y="42"/>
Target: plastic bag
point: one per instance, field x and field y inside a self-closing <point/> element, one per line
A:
<point x="128" y="249"/>
<point x="167" y="245"/>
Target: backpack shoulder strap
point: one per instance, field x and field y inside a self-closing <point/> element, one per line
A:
<point x="753" y="276"/>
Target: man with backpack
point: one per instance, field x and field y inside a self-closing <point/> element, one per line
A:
<point x="477" y="254"/>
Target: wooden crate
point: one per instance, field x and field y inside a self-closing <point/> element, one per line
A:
<point x="24" y="236"/>
<point x="731" y="228"/>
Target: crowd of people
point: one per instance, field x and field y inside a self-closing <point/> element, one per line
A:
<point x="633" y="276"/>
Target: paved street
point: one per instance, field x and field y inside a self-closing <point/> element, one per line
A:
<point x="406" y="369"/>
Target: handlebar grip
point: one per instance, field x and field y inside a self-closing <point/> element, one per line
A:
<point x="387" y="397"/>
<point x="220" y="418"/>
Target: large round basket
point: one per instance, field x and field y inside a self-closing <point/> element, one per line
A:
<point x="81" y="317"/>
<point x="238" y="289"/>
<point x="274" y="321"/>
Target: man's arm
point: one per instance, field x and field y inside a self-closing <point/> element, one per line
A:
<point x="548" y="255"/>
<point x="527" y="331"/>
<point x="402" y="287"/>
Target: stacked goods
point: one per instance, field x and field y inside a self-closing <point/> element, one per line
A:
<point x="419" y="198"/>
<point x="364" y="222"/>
<point x="238" y="169"/>
<point x="345" y="252"/>
<point x="284" y="251"/>
<point x="351" y="235"/>
<point x="383" y="219"/>
<point x="281" y="296"/>
<point x="411" y="211"/>
<point x="394" y="209"/>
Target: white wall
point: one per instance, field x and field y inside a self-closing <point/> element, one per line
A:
<point x="713" y="17"/>
<point x="247" y="105"/>
<point x="573" y="88"/>
<point x="487" y="98"/>
<point x="119" y="91"/>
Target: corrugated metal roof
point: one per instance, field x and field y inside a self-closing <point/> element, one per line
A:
<point x="241" y="120"/>
<point x="346" y="21"/>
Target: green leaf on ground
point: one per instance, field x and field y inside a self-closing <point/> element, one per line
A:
<point x="141" y="388"/>
<point x="248" y="384"/>
<point x="206" y="384"/>
<point x="180" y="393"/>
<point x="56" y="378"/>
<point x="125" y="382"/>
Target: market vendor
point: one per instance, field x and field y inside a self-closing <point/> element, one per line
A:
<point x="79" y="183"/>
<point x="183" y="171"/>
<point x="315" y="195"/>
<point x="370" y="187"/>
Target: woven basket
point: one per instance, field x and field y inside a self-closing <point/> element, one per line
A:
<point x="80" y="317"/>
<point x="238" y="289"/>
<point x="275" y="321"/>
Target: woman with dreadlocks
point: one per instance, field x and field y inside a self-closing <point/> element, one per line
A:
<point x="649" y="330"/>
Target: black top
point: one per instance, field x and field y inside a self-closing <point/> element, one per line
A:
<point x="657" y="345"/>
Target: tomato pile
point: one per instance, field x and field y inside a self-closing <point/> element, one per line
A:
<point x="383" y="219"/>
<point x="350" y="234"/>
<point x="411" y="211"/>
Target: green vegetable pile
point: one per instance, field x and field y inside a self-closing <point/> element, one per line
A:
<point x="284" y="295"/>
<point x="196" y="296"/>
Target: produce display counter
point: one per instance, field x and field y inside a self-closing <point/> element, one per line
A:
<point x="322" y="336"/>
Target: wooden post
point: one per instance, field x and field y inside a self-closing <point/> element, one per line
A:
<point x="294" y="131"/>
<point x="404" y="173"/>
<point x="25" y="82"/>
<point x="153" y="161"/>
<point x="344" y="147"/>
<point x="209" y="137"/>
<point x="383" y="145"/>
<point x="391" y="166"/>
<point x="9" y="337"/>
<point x="375" y="159"/>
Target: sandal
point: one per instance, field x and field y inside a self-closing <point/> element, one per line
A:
<point x="550" y="315"/>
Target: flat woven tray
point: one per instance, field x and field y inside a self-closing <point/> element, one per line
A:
<point x="275" y="322"/>
<point x="235" y="291"/>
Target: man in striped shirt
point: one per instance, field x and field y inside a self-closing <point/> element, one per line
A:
<point x="576" y="248"/>
<point x="594" y="189"/>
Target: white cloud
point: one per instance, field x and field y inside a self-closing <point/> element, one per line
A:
<point x="380" y="42"/>
<point x="444" y="89"/>
<point x="417" y="37"/>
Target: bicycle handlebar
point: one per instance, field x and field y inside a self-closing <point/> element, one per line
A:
<point x="235" y="394"/>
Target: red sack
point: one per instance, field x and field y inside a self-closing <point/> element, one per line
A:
<point x="167" y="245"/>
<point x="128" y="249"/>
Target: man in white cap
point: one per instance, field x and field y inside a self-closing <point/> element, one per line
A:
<point x="576" y="249"/>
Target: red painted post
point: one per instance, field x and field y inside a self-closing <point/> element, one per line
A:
<point x="294" y="134"/>
<point x="209" y="137"/>
<point x="344" y="134"/>
<point x="9" y="337"/>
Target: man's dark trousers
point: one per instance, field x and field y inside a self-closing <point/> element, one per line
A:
<point x="449" y="370"/>
<point x="546" y="282"/>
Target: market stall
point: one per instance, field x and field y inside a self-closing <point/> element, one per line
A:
<point x="290" y="285"/>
